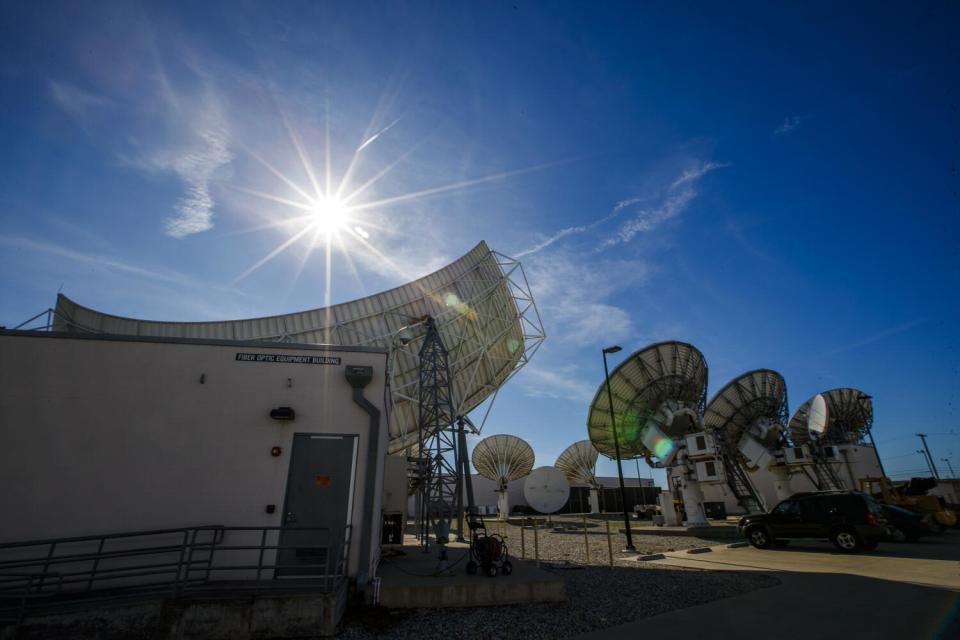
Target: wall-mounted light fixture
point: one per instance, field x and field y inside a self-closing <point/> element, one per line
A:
<point x="283" y="413"/>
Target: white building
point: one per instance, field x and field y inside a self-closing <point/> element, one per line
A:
<point x="856" y="461"/>
<point x="104" y="434"/>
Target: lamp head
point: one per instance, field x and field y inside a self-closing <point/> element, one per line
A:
<point x="613" y="349"/>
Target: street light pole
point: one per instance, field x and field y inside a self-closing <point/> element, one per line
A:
<point x="616" y="446"/>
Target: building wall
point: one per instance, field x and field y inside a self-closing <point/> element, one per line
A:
<point x="107" y="435"/>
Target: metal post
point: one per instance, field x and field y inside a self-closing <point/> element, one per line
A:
<point x="923" y="438"/>
<point x="616" y="444"/>
<point x="586" y="540"/>
<point x="523" y="542"/>
<point x="949" y="466"/>
<point x="643" y="495"/>
<point x="609" y="544"/>
<point x="536" y="542"/>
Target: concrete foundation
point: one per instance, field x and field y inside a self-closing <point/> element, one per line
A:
<point x="227" y="618"/>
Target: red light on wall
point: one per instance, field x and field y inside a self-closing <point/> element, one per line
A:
<point x="276" y="451"/>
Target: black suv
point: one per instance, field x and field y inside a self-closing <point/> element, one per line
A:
<point x="850" y="520"/>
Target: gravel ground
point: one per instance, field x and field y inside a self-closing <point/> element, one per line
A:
<point x="599" y="596"/>
<point x="569" y="546"/>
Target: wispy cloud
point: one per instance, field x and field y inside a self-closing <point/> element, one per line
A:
<point x="678" y="197"/>
<point x="876" y="337"/>
<point x="560" y="383"/>
<point x="197" y="147"/>
<point x="575" y="294"/>
<point x="690" y="176"/>
<point x="789" y="124"/>
<point x="99" y="260"/>
<point x="570" y="231"/>
<point x="74" y="101"/>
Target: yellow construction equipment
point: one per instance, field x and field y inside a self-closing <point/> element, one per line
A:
<point x="939" y="517"/>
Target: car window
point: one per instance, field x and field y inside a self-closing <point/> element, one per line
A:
<point x="788" y="508"/>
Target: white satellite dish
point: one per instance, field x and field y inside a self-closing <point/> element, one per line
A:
<point x="546" y="489"/>
<point x="817" y="416"/>
<point x="503" y="458"/>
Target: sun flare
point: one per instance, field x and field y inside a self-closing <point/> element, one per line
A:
<point x="329" y="214"/>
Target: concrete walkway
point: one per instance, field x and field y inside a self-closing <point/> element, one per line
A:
<point x="898" y="592"/>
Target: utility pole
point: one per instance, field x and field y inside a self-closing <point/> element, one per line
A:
<point x="923" y="438"/>
<point x="925" y="459"/>
<point x="949" y="466"/>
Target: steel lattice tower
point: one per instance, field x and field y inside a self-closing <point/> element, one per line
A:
<point x="438" y="441"/>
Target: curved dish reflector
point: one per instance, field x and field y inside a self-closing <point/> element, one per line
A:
<point x="658" y="394"/>
<point x="755" y="399"/>
<point x="481" y="304"/>
<point x="503" y="458"/>
<point x="546" y="489"/>
<point x="849" y="417"/>
<point x="578" y="462"/>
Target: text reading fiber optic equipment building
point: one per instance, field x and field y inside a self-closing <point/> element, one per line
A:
<point x="278" y="424"/>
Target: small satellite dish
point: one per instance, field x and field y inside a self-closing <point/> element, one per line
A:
<point x="578" y="462"/>
<point x="817" y="416"/>
<point x="546" y="489"/>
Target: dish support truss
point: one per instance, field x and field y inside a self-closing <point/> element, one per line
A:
<point x="439" y="459"/>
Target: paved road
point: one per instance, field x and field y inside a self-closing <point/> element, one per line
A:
<point x="898" y="592"/>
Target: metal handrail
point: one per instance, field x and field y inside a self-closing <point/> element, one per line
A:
<point x="200" y="556"/>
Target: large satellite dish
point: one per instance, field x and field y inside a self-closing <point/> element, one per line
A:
<point x="503" y="458"/>
<point x="848" y="417"/>
<point x="481" y="305"/>
<point x="755" y="402"/>
<point x="546" y="489"/>
<point x="658" y="393"/>
<point x="578" y="462"/>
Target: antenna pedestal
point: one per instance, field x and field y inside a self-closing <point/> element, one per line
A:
<point x="693" y="503"/>
<point x="503" y="505"/>
<point x="594" y="501"/>
<point x="781" y="482"/>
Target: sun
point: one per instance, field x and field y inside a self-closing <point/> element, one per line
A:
<point x="329" y="215"/>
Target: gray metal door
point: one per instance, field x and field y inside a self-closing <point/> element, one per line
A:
<point x="318" y="504"/>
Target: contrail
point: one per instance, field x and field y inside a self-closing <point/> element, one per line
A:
<point x="370" y="140"/>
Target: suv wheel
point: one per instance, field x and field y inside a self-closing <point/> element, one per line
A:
<point x="759" y="537"/>
<point x="846" y="540"/>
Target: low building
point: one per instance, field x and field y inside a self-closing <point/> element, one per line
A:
<point x="115" y="434"/>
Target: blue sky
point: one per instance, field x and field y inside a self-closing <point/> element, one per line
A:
<point x="776" y="184"/>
